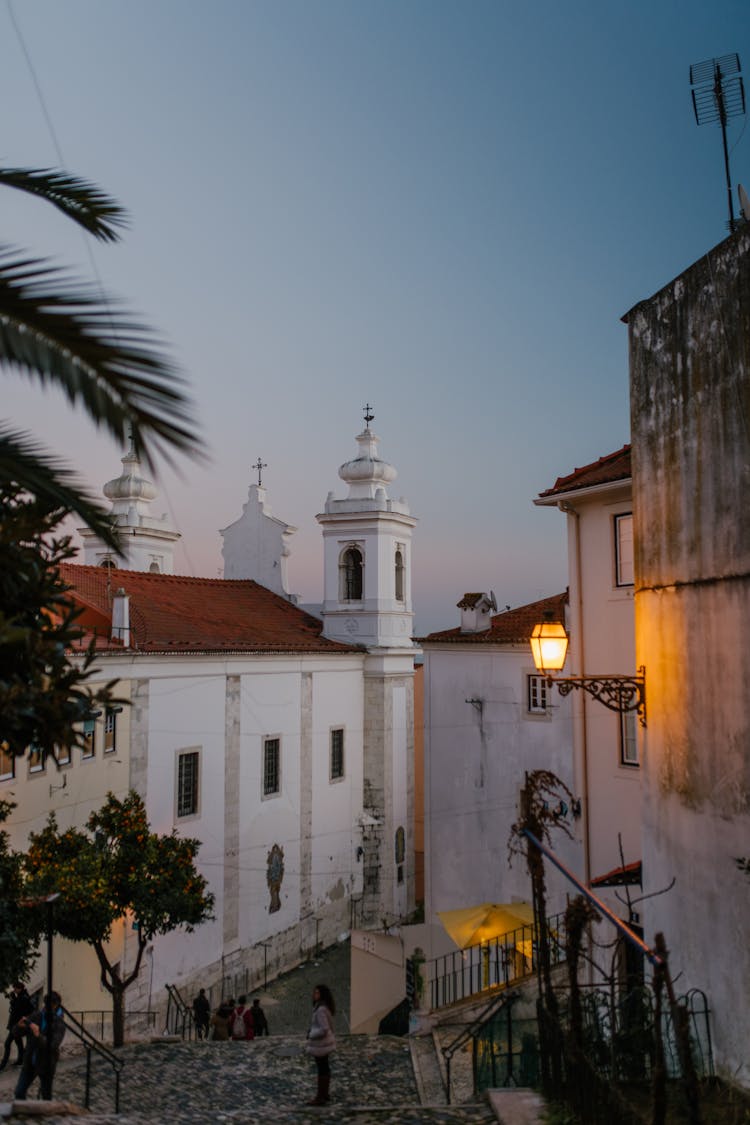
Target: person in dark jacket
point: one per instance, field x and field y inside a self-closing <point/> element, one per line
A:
<point x="201" y="1014"/>
<point x="259" y="1018"/>
<point x="45" y="1031"/>
<point x="20" y="1006"/>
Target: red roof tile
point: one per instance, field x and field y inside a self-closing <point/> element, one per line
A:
<point x="606" y="470"/>
<point x="177" y="614"/>
<point x="512" y="627"/>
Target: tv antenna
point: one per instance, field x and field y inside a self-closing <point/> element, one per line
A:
<point x="718" y="95"/>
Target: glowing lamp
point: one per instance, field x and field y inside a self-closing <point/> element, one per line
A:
<point x="549" y="645"/>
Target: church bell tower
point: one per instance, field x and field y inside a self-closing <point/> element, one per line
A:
<point x="367" y="554"/>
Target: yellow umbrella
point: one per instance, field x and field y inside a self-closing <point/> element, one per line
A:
<point x="475" y="924"/>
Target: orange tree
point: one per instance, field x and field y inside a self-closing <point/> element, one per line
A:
<point x="117" y="869"/>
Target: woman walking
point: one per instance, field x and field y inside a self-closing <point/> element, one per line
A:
<point x="321" y="1040"/>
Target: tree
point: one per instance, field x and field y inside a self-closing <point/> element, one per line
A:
<point x="117" y="869"/>
<point x="59" y="331"/>
<point x="19" y="926"/>
<point x="44" y="694"/>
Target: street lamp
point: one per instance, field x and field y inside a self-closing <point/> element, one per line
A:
<point x="549" y="646"/>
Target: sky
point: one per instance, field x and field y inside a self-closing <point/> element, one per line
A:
<point x="441" y="209"/>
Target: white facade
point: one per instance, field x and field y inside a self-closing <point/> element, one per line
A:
<point x="294" y="857"/>
<point x="257" y="544"/>
<point x="607" y="747"/>
<point x="488" y="721"/>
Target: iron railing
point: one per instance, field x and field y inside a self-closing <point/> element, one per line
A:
<point x="499" y="962"/>
<point x="179" y="1019"/>
<point x="92" y="1045"/>
<point x="98" y="1023"/>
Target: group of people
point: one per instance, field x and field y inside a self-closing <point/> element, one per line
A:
<point x="238" y="1022"/>
<point x="37" y="1036"/>
<point x="231" y="1020"/>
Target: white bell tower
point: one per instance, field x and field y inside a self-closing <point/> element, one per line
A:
<point x="147" y="541"/>
<point x="367" y="554"/>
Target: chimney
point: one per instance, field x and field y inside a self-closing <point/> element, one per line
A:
<point x="476" y="612"/>
<point x="121" y="618"/>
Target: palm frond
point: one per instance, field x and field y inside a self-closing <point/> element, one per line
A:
<point x="61" y="332"/>
<point x="26" y="463"/>
<point x="80" y="200"/>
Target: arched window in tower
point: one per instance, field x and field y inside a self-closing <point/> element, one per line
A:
<point x="350" y="573"/>
<point x="154" y="568"/>
<point x="108" y="563"/>
<point x="399" y="566"/>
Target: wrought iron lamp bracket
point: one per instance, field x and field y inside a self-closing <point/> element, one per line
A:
<point x="618" y="693"/>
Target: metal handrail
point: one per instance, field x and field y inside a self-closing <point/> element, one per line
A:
<point x="184" y="1021"/>
<point x="90" y="1044"/>
<point x="471" y="1031"/>
<point x="489" y="964"/>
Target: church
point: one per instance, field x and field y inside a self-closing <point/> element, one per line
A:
<point x="282" y="740"/>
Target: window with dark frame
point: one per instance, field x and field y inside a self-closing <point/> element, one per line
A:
<point x="188" y="767"/>
<point x="399" y="565"/>
<point x="351" y="575"/>
<point x="629" y="739"/>
<point x="7" y="763"/>
<point x="536" y="695"/>
<point x="110" y="730"/>
<point x="624" y="574"/>
<point x="271" y="767"/>
<point x="89" y="737"/>
<point x="337" y="753"/>
<point x="63" y="755"/>
<point x="37" y="759"/>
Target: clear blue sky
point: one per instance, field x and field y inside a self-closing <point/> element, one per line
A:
<point x="442" y="209"/>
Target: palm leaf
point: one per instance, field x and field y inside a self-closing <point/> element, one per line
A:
<point x="80" y="200"/>
<point x="34" y="469"/>
<point x="55" y="329"/>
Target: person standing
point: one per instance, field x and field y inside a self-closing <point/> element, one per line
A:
<point x="321" y="1041"/>
<point x="220" y="1021"/>
<point x="241" y="1021"/>
<point x="45" y="1032"/>
<point x="260" y="1023"/>
<point x="20" y="1006"/>
<point x="201" y="1014"/>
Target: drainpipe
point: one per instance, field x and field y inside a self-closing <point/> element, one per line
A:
<point x="579" y="712"/>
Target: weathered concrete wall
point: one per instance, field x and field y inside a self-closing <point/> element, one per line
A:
<point x="690" y="403"/>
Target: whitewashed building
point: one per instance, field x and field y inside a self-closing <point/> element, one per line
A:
<point x="282" y="742"/>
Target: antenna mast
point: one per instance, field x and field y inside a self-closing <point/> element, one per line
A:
<point x="717" y="97"/>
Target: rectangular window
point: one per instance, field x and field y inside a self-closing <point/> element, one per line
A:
<point x="188" y="770"/>
<point x="536" y="695"/>
<point x="271" y="766"/>
<point x="628" y="739"/>
<point x="62" y="753"/>
<point x="37" y="760"/>
<point x="624" y="550"/>
<point x="110" y="730"/>
<point x="7" y="763"/>
<point x="89" y="736"/>
<point x="337" y="754"/>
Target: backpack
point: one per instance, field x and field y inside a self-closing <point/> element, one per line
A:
<point x="239" y="1031"/>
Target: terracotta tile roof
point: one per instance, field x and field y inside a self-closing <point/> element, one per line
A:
<point x="468" y="601"/>
<point x="176" y="614"/>
<point x="606" y="470"/>
<point x="512" y="627"/>
<point x="629" y="875"/>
